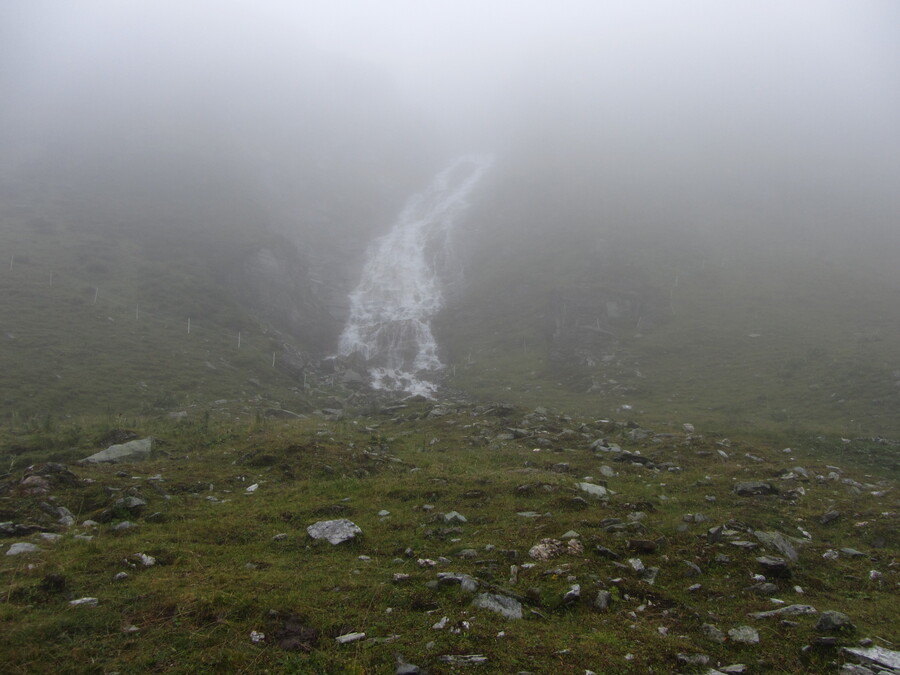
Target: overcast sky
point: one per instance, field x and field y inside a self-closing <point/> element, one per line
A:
<point x="461" y="57"/>
<point x="768" y="95"/>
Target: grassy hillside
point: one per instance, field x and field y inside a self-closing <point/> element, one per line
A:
<point x="217" y="573"/>
<point x="96" y="321"/>
<point x="746" y="342"/>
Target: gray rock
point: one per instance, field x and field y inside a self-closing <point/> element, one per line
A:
<point x="454" y="517"/>
<point x="572" y="595"/>
<point x="774" y="566"/>
<point x="694" y="569"/>
<point x="22" y="547"/>
<point x="879" y="657"/>
<point x="501" y="604"/>
<point x="753" y="488"/>
<point x="464" y="659"/>
<point x="132" y="451"/>
<point x="334" y="531"/>
<point x="124" y="525"/>
<point x="602" y="600"/>
<point x="745" y="635"/>
<point x="133" y="505"/>
<point x="779" y="542"/>
<point x="347" y="638"/>
<point x="404" y="668"/>
<point x="467" y="583"/>
<point x="832" y="621"/>
<point x="84" y="602"/>
<point x="763" y="588"/>
<point x="790" y="610"/>
<point x="829" y="517"/>
<point x="594" y="490"/>
<point x="710" y="632"/>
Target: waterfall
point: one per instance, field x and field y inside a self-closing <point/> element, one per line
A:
<point x="399" y="291"/>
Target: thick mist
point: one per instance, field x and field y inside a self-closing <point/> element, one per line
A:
<point x="746" y="125"/>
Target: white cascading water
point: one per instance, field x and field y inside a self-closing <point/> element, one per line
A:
<point x="399" y="292"/>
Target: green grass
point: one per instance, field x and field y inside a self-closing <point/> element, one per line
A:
<point x="109" y="333"/>
<point x="220" y="574"/>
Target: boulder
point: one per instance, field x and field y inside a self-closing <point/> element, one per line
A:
<point x="754" y="487"/>
<point x="133" y="451"/>
<point x="831" y="621"/>
<point x="335" y="531"/>
<point x="501" y="604"/>
<point x="594" y="490"/>
<point x="22" y="547"/>
<point x="779" y="542"/>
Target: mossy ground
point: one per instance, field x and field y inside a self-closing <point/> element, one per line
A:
<point x="220" y="574"/>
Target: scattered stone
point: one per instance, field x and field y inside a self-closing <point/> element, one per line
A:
<point x="84" y="602"/>
<point x="145" y="560"/>
<point x="281" y="536"/>
<point x="829" y="517"/>
<point x="467" y="583"/>
<point x="879" y="657"/>
<point x="463" y="659"/>
<point x="405" y="668"/>
<point x="547" y="549"/>
<point x="642" y="545"/>
<point x="763" y="588"/>
<point x="754" y="488"/>
<point x="853" y="553"/>
<point x="22" y="547"/>
<point x="774" y="566"/>
<point x="572" y="595"/>
<point x="710" y="632"/>
<point x="121" y="576"/>
<point x="745" y="635"/>
<point x="606" y="553"/>
<point x="132" y="451"/>
<point x="694" y="569"/>
<point x="124" y="525"/>
<point x="347" y="638"/>
<point x="602" y="600"/>
<point x="693" y="659"/>
<point x="454" y="517"/>
<point x="779" y="542"/>
<point x="790" y="610"/>
<point x="594" y="490"/>
<point x="501" y="604"/>
<point x="334" y="531"/>
<point x="831" y="621"/>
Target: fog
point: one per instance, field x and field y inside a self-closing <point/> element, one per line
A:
<point x="706" y="118"/>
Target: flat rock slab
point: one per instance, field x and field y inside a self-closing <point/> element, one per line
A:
<point x="335" y="531"/>
<point x="595" y="490"/>
<point x="501" y="604"/>
<point x="132" y="451"/>
<point x="790" y="610"/>
<point x="754" y="487"/>
<point x="875" y="656"/>
<point x="22" y="547"/>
